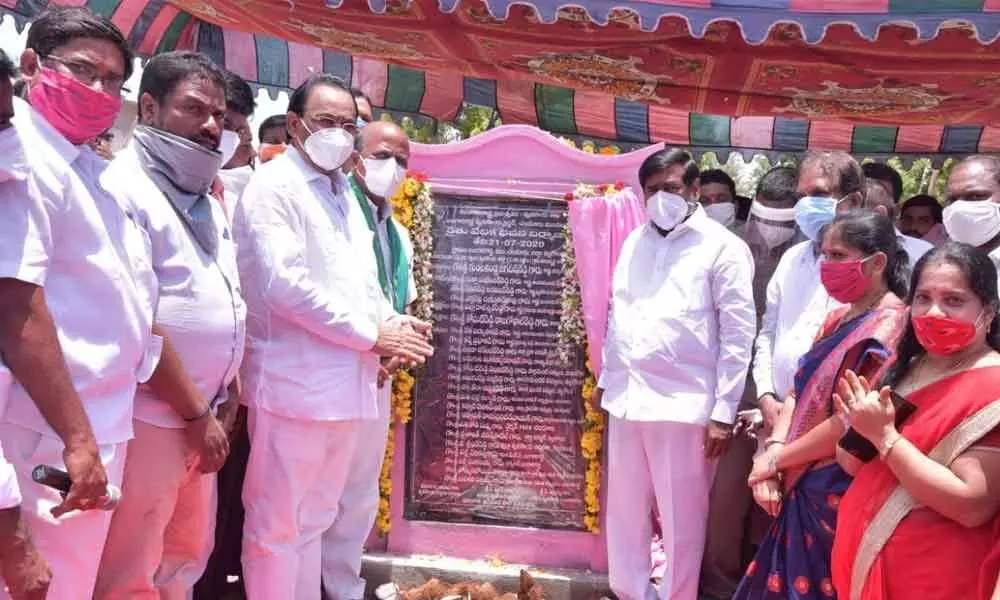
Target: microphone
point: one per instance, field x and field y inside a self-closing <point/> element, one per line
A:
<point x="59" y="480"/>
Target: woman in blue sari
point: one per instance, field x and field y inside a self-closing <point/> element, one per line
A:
<point x="797" y="479"/>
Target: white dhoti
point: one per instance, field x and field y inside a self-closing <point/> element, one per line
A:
<point x="294" y="480"/>
<point x="71" y="544"/>
<point x="663" y="463"/>
<point x="163" y="529"/>
<point x="344" y="543"/>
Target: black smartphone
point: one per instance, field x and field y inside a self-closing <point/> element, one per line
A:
<point x="859" y="447"/>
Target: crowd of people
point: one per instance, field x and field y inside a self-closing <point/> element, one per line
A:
<point x="197" y="338"/>
<point x="145" y="298"/>
<point x="816" y="360"/>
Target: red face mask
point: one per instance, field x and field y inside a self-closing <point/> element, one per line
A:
<point x="943" y="335"/>
<point x="845" y="281"/>
<point x="76" y="111"/>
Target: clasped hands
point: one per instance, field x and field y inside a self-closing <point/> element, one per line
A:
<point x="870" y="412"/>
<point x="403" y="341"/>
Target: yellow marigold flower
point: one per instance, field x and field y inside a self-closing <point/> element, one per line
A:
<point x="411" y="188"/>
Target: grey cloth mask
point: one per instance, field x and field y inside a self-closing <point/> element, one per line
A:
<point x="184" y="172"/>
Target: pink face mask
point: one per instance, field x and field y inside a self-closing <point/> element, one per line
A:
<point x="845" y="281"/>
<point x="78" y="112"/>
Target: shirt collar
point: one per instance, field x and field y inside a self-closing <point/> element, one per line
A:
<point x="311" y="173"/>
<point x="26" y="116"/>
<point x="696" y="221"/>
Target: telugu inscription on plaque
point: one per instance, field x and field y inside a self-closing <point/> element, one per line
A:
<point x="495" y="436"/>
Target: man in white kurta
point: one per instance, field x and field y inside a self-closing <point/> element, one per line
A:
<point x="681" y="328"/>
<point x="317" y="325"/>
<point x="385" y="152"/>
<point x="71" y="238"/>
<point x="166" y="174"/>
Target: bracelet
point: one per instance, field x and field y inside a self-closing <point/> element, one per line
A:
<point x="886" y="448"/>
<point x="772" y="442"/>
<point x="208" y="408"/>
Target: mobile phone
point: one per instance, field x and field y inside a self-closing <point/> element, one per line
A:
<point x="859" y="447"/>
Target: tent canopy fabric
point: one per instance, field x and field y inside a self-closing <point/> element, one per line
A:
<point x="756" y="18"/>
<point x="696" y="80"/>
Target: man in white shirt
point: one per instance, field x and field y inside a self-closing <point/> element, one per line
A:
<point x="166" y="174"/>
<point x="384" y="154"/>
<point x="797" y="302"/>
<point x="25" y="571"/>
<point x="972" y="204"/>
<point x="77" y="293"/>
<point x="317" y="325"/>
<point x="679" y="339"/>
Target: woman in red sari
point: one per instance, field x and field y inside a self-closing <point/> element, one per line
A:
<point x="921" y="521"/>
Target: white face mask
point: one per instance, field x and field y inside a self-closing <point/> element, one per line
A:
<point x="383" y="176"/>
<point x="666" y="210"/>
<point x="723" y="213"/>
<point x="972" y="222"/>
<point x="230" y="142"/>
<point x="330" y="148"/>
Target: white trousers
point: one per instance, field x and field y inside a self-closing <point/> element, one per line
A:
<point x="295" y="477"/>
<point x="71" y="544"/>
<point x="163" y="530"/>
<point x="662" y="463"/>
<point x="344" y="543"/>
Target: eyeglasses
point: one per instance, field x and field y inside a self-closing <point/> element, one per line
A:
<point x="331" y="121"/>
<point x="88" y="75"/>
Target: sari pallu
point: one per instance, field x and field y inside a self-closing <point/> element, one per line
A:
<point x="887" y="547"/>
<point x="793" y="561"/>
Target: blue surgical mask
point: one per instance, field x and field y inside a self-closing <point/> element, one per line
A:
<point x="813" y="213"/>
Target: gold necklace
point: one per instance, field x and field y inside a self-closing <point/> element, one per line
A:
<point x="922" y="379"/>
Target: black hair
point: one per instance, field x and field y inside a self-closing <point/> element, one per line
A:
<point x="883" y="172"/>
<point x="7" y="69"/>
<point x="239" y="95"/>
<point x="871" y="232"/>
<point x="876" y="195"/>
<point x="272" y="122"/>
<point x="719" y="176"/>
<point x="779" y="185"/>
<point x="164" y="72"/>
<point x="937" y="212"/>
<point x="980" y="274"/>
<point x="664" y="159"/>
<point x="58" y="26"/>
<point x="297" y="103"/>
<point x="841" y="166"/>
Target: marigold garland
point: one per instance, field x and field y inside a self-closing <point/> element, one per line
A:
<point x="413" y="208"/>
<point x="573" y="339"/>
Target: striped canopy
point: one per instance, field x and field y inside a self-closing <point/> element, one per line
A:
<point x="713" y="74"/>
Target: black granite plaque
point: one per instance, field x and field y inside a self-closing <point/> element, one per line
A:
<point x="495" y="436"/>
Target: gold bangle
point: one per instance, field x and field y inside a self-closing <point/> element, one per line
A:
<point x="887" y="447"/>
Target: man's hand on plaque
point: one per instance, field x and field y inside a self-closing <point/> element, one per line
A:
<point x="404" y="338"/>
